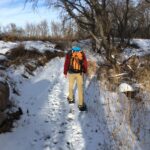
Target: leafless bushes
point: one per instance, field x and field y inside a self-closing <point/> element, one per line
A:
<point x="4" y="95"/>
<point x="20" y="55"/>
<point x="109" y="76"/>
<point x="143" y="73"/>
<point x="134" y="70"/>
<point x="103" y="20"/>
<point x="92" y="68"/>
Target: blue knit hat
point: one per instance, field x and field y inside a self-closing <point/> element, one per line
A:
<point x="76" y="48"/>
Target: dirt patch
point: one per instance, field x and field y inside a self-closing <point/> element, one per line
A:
<point x="7" y="123"/>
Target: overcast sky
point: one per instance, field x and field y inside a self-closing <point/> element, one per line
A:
<point x="14" y="11"/>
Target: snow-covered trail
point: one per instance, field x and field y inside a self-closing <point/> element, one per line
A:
<point x="45" y="124"/>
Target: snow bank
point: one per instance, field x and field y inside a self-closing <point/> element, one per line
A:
<point x="45" y="126"/>
<point x="2" y="80"/>
<point x="29" y="45"/>
<point x="2" y="57"/>
<point x="39" y="45"/>
<point x="6" y="46"/>
<point x="144" y="49"/>
<point x="144" y="44"/>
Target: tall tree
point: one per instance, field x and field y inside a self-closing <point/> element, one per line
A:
<point x="90" y="15"/>
<point x="100" y="18"/>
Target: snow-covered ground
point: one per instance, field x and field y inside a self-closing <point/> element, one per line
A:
<point x="144" y="48"/>
<point x="39" y="45"/>
<point x="29" y="45"/>
<point x="47" y="124"/>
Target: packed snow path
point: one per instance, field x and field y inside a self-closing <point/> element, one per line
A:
<point x="46" y="123"/>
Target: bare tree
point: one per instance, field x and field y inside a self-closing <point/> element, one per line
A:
<point x="90" y="15"/>
<point x="30" y="30"/>
<point x="69" y="28"/>
<point x="43" y="28"/>
<point x="102" y="19"/>
<point x="148" y="1"/>
<point x="40" y="30"/>
<point x="13" y="32"/>
<point x="121" y="11"/>
<point x="144" y="13"/>
<point x="56" y="29"/>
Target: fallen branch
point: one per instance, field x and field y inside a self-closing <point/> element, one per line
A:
<point x="118" y="75"/>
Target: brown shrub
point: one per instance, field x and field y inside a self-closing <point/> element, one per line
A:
<point x="9" y="37"/>
<point x="30" y="58"/>
<point x="109" y="76"/>
<point x="20" y="51"/>
<point x="20" y="55"/>
<point x="106" y="76"/>
<point x="142" y="74"/>
<point x="136" y="69"/>
<point x="7" y="123"/>
<point x="4" y="95"/>
<point x="143" y="77"/>
<point x="92" y="67"/>
<point x="49" y="55"/>
<point x="42" y="60"/>
<point x="16" y="52"/>
<point x="62" y="45"/>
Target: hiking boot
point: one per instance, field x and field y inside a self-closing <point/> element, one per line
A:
<point x="82" y="107"/>
<point x="70" y="101"/>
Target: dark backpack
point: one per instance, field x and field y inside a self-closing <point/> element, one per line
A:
<point x="76" y="62"/>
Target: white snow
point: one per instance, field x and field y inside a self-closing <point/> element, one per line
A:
<point x="29" y="45"/>
<point x="6" y="46"/>
<point x="39" y="45"/>
<point x="143" y="50"/>
<point x="2" y="57"/>
<point x="2" y="79"/>
<point x="47" y="124"/>
<point x="144" y="44"/>
<point x="124" y="87"/>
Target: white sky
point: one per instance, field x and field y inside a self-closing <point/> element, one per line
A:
<point x="13" y="11"/>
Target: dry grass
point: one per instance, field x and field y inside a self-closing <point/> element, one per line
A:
<point x="92" y="67"/>
<point x="12" y="37"/>
<point x="49" y="55"/>
<point x="20" y="55"/>
<point x="143" y="77"/>
<point x="109" y="76"/>
<point x="62" y="45"/>
<point x="142" y="74"/>
<point x="137" y="70"/>
<point x="20" y="51"/>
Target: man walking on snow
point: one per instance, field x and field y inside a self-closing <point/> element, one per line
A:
<point x="74" y="67"/>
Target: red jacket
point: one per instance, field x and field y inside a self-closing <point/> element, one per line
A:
<point x="67" y="62"/>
